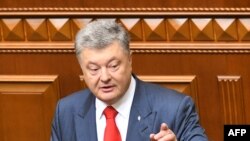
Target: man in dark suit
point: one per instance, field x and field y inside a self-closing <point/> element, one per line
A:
<point x="143" y="111"/>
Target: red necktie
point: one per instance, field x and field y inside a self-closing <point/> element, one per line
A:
<point x="111" y="131"/>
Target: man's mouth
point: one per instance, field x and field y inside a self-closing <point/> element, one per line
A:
<point x="107" y="89"/>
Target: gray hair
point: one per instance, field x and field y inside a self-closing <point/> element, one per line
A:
<point x="100" y="34"/>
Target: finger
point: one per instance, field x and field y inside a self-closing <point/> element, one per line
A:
<point x="162" y="132"/>
<point x="164" y="126"/>
<point x="151" y="136"/>
<point x="165" y="137"/>
<point x="160" y="135"/>
<point x="168" y="137"/>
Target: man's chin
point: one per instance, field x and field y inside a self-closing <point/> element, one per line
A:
<point x="108" y="98"/>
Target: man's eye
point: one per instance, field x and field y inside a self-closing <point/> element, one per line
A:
<point x="114" y="66"/>
<point x="94" y="69"/>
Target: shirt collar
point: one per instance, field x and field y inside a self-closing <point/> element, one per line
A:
<point x="123" y="105"/>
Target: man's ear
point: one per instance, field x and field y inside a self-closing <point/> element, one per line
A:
<point x="130" y="57"/>
<point x="81" y="67"/>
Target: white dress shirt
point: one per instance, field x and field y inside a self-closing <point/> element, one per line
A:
<point x="122" y="106"/>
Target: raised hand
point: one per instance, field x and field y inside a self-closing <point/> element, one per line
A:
<point x="165" y="134"/>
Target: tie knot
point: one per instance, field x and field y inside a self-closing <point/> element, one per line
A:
<point x="110" y="112"/>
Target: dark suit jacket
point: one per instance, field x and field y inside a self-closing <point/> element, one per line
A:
<point x="75" y="115"/>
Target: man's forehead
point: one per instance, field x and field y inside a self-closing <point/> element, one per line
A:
<point x="96" y="58"/>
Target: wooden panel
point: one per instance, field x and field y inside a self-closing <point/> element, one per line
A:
<point x="225" y="29"/>
<point x="60" y="29"/>
<point x="178" y="29"/>
<point x="143" y="29"/>
<point x="27" y="106"/>
<point x="155" y="29"/>
<point x="244" y="28"/>
<point x="36" y="29"/>
<point x="202" y="29"/>
<point x="13" y="29"/>
<point x="232" y="100"/>
<point x="184" y="84"/>
<point x="125" y="3"/>
<point x="134" y="27"/>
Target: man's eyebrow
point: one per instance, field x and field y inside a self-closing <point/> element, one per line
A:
<point x="91" y="63"/>
<point x="112" y="59"/>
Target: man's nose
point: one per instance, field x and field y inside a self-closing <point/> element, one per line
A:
<point x="105" y="76"/>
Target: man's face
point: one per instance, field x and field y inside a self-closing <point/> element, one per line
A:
<point x="107" y="71"/>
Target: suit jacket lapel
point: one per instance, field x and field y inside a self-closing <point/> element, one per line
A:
<point x="85" y="122"/>
<point x="141" y="118"/>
